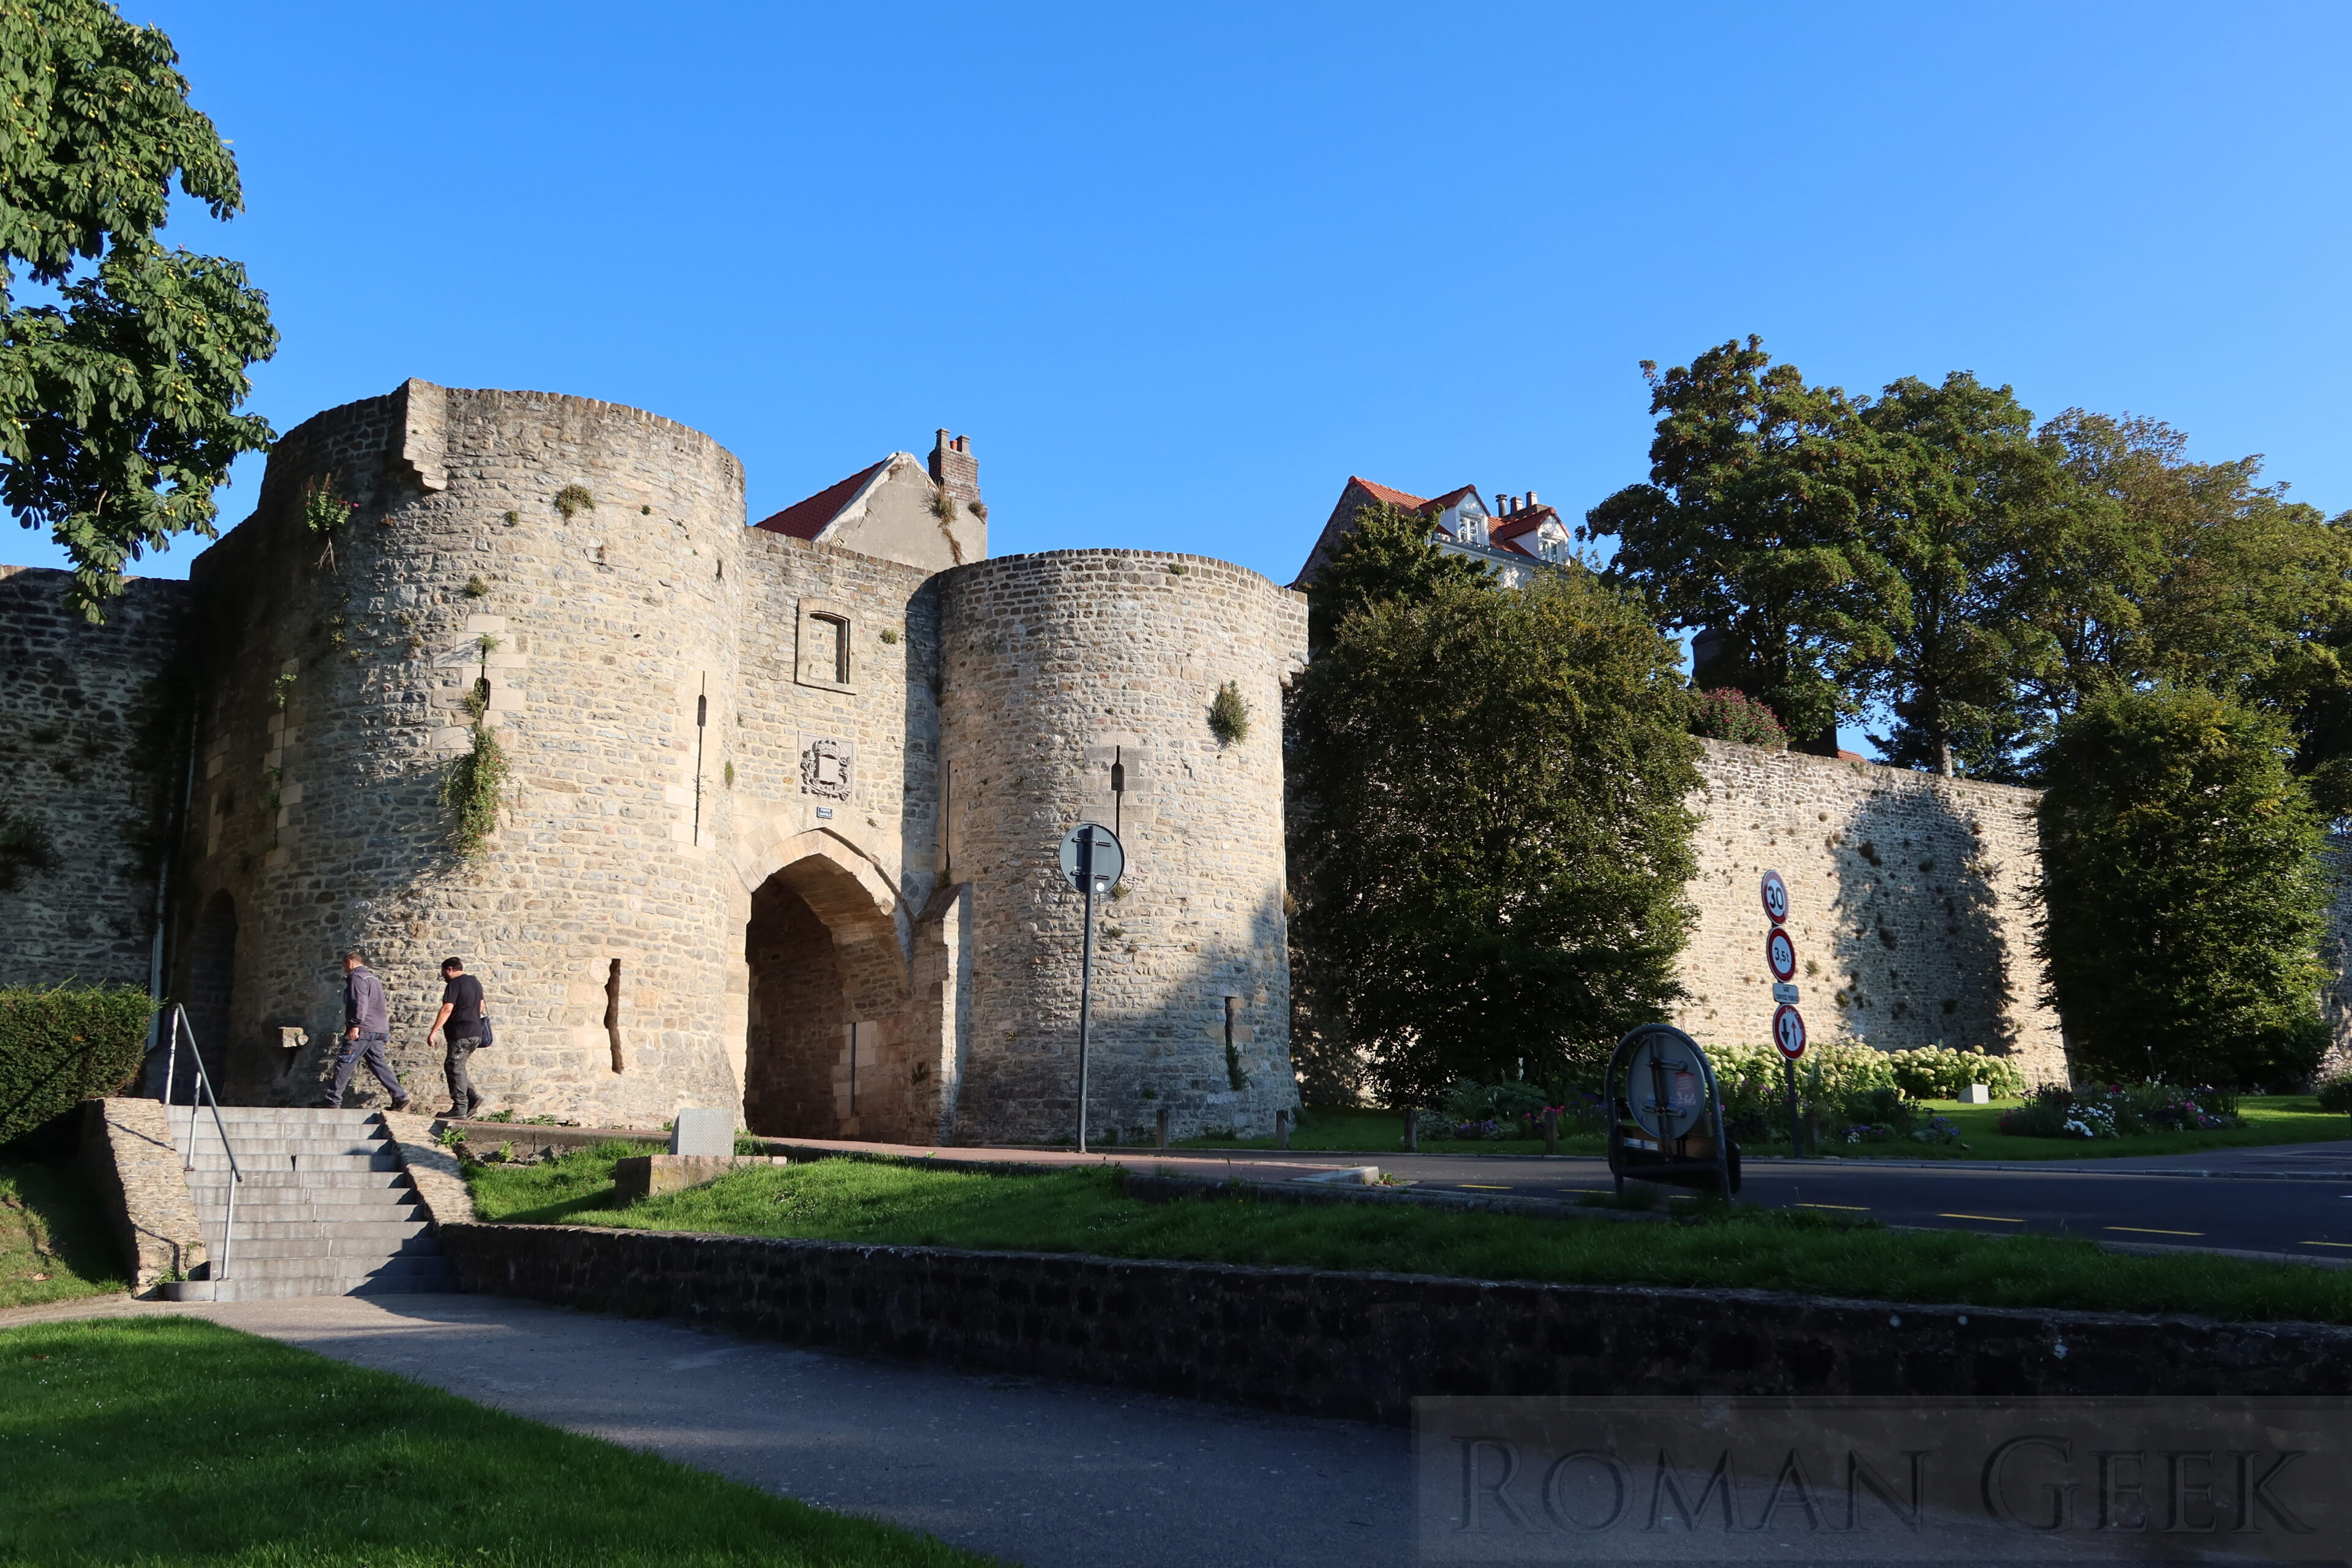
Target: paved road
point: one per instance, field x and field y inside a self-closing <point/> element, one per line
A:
<point x="2292" y="1200"/>
<point x="1049" y="1474"/>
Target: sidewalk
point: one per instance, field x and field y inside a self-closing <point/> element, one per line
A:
<point x="1053" y="1475"/>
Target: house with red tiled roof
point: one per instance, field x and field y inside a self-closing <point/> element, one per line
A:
<point x="900" y="509"/>
<point x="1512" y="539"/>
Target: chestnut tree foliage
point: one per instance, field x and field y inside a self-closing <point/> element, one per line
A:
<point x="122" y="363"/>
<point x="1490" y="841"/>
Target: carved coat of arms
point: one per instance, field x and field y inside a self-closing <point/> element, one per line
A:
<point x="825" y="768"/>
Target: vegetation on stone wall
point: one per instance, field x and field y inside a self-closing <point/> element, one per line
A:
<point x="62" y="1044"/>
<point x="1229" y="715"/>
<point x="1491" y="840"/>
<point x="473" y="789"/>
<point x="2185" y="892"/>
<point x="118" y="416"/>
<point x="1725" y="714"/>
<point x="573" y="500"/>
<point x="324" y="509"/>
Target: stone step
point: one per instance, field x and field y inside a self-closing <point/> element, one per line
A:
<point x="330" y="1252"/>
<point x="251" y="1193"/>
<point x="327" y="1270"/>
<point x="270" y="1178"/>
<point x="264" y="1148"/>
<point x="257" y="1289"/>
<point x="213" y="1160"/>
<point x="333" y="1216"/>
<point x="290" y="1114"/>
<point x="385" y="1232"/>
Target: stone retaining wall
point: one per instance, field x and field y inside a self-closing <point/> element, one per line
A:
<point x="1363" y="1345"/>
<point x="133" y="1166"/>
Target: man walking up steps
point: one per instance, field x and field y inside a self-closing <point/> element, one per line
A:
<point x="367" y="1028"/>
<point x="460" y="1023"/>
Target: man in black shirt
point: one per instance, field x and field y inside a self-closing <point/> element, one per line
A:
<point x="459" y="1023"/>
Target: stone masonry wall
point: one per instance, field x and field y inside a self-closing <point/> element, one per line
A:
<point x="856" y="853"/>
<point x="1056" y="668"/>
<point x="1909" y="906"/>
<point x="1364" y="1345"/>
<point x="90" y="748"/>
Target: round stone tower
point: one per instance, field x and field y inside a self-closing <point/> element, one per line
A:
<point x="557" y="571"/>
<point x="1079" y="686"/>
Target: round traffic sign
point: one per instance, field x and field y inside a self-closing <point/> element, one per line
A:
<point x="1789" y="1032"/>
<point x="1665" y="1083"/>
<point x="1092" y="848"/>
<point x="1782" y="954"/>
<point x="1776" y="896"/>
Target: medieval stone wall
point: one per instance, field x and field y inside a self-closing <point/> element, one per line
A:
<point x="90" y="741"/>
<point x="1909" y="906"/>
<point x="1056" y="668"/>
<point x="834" y="751"/>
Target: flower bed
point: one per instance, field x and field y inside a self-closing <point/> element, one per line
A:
<point x="2121" y="1111"/>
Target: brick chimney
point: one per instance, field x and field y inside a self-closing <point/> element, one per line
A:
<point x="954" y="468"/>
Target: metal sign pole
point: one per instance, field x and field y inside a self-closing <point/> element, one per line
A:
<point x="1085" y="973"/>
<point x="1796" y="1123"/>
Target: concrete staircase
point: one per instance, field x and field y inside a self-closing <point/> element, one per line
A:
<point x="325" y="1208"/>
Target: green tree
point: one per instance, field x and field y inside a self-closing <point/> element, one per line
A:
<point x="1962" y="487"/>
<point x="1491" y="841"/>
<point x="1752" y="526"/>
<point x="2176" y="570"/>
<point x="2185" y="892"/>
<point x="1385" y="557"/>
<point x="119" y="386"/>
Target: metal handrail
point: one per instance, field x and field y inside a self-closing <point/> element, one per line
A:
<point x="201" y="1091"/>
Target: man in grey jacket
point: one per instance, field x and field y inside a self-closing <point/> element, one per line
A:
<point x="367" y="1028"/>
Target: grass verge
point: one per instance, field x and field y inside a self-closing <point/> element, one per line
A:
<point x="54" y="1243"/>
<point x="1086" y="1211"/>
<point x="173" y="1440"/>
<point x="2269" y="1119"/>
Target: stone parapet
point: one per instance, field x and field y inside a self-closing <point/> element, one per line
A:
<point x="434" y="1171"/>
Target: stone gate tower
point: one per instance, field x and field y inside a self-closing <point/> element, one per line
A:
<point x="780" y="817"/>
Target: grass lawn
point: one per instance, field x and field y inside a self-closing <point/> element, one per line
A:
<point x="2269" y="1119"/>
<point x="173" y="1440"/>
<point x="54" y="1245"/>
<point x="1086" y="1211"/>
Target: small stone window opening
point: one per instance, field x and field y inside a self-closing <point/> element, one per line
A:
<point x="1118" y="787"/>
<point x="833" y="648"/>
<point x="1235" y="1079"/>
<point x="613" y="1013"/>
<point x="701" y="724"/>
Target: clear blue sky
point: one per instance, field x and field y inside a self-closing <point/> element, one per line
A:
<point x="1179" y="270"/>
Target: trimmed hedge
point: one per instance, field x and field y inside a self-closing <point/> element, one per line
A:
<point x="60" y="1046"/>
